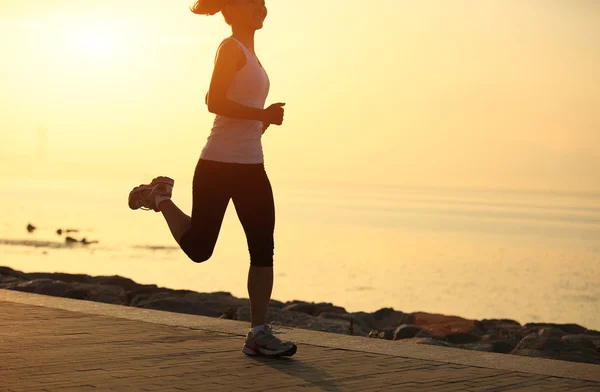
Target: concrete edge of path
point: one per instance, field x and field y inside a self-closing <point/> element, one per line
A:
<point x="540" y="366"/>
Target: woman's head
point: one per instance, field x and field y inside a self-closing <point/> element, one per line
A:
<point x="248" y="14"/>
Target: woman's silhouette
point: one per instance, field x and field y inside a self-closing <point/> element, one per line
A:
<point x="231" y="166"/>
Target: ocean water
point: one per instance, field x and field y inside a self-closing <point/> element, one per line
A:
<point x="476" y="253"/>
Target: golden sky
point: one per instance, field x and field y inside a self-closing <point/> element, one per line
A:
<point x="437" y="93"/>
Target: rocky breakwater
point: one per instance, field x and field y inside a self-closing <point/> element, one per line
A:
<point x="568" y="342"/>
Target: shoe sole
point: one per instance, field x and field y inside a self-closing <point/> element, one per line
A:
<point x="164" y="181"/>
<point x="288" y="353"/>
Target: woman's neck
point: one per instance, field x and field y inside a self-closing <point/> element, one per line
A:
<point x="244" y="35"/>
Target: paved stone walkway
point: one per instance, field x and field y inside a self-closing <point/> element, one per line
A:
<point x="46" y="349"/>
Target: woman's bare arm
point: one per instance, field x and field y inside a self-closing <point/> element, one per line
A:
<point x="229" y="58"/>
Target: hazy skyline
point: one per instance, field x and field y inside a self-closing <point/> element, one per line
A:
<point x="461" y="93"/>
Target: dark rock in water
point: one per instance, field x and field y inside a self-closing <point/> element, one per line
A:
<point x="86" y="242"/>
<point x="70" y="240"/>
<point x="44" y="286"/>
<point x="406" y="331"/>
<point x="568" y="328"/>
<point x="59" y="231"/>
<point x="31" y="228"/>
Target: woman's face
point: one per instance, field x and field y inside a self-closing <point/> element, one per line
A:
<point x="248" y="13"/>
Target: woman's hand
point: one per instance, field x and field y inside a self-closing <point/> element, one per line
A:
<point x="274" y="114"/>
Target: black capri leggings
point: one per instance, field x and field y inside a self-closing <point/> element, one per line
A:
<point x="249" y="187"/>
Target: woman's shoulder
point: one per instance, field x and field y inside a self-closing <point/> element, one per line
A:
<point x="230" y="48"/>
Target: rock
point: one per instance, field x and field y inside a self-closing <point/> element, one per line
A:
<point x="504" y="346"/>
<point x="581" y="337"/>
<point x="498" y="329"/>
<point x="67" y="278"/>
<point x="179" y="305"/>
<point x="9" y="276"/>
<point x="273" y="303"/>
<point x="582" y="341"/>
<point x="345" y="318"/>
<point x="70" y="240"/>
<point x="499" y="324"/>
<point x="551" y="332"/>
<point x="86" y="242"/>
<point x="388" y="318"/>
<point x="387" y="334"/>
<point x="303" y="320"/>
<point x="31" y="228"/>
<point x="456" y="329"/>
<point x="365" y="319"/>
<point x="229" y="314"/>
<point x="59" y="231"/>
<point x="423" y="334"/>
<point x="100" y="293"/>
<point x="204" y="304"/>
<point x="301" y="307"/>
<point x="44" y="286"/>
<point x="485" y="346"/>
<point x="572" y="329"/>
<point x="406" y="331"/>
<point x="124" y="283"/>
<point x="431" y="341"/>
<point x="462" y="338"/>
<point x="581" y="355"/>
<point x="314" y="309"/>
<point x="534" y="341"/>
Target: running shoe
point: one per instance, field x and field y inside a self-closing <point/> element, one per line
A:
<point x="144" y="196"/>
<point x="264" y="343"/>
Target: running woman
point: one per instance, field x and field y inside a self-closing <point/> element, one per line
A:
<point x="231" y="166"/>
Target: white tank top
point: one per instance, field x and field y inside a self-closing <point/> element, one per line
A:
<point x="234" y="140"/>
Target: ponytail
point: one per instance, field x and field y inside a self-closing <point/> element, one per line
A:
<point x="208" y="7"/>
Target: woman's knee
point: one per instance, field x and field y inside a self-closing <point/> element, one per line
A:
<point x="200" y="255"/>
<point x="198" y="252"/>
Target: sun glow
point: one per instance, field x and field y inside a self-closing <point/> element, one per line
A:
<point x="91" y="41"/>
